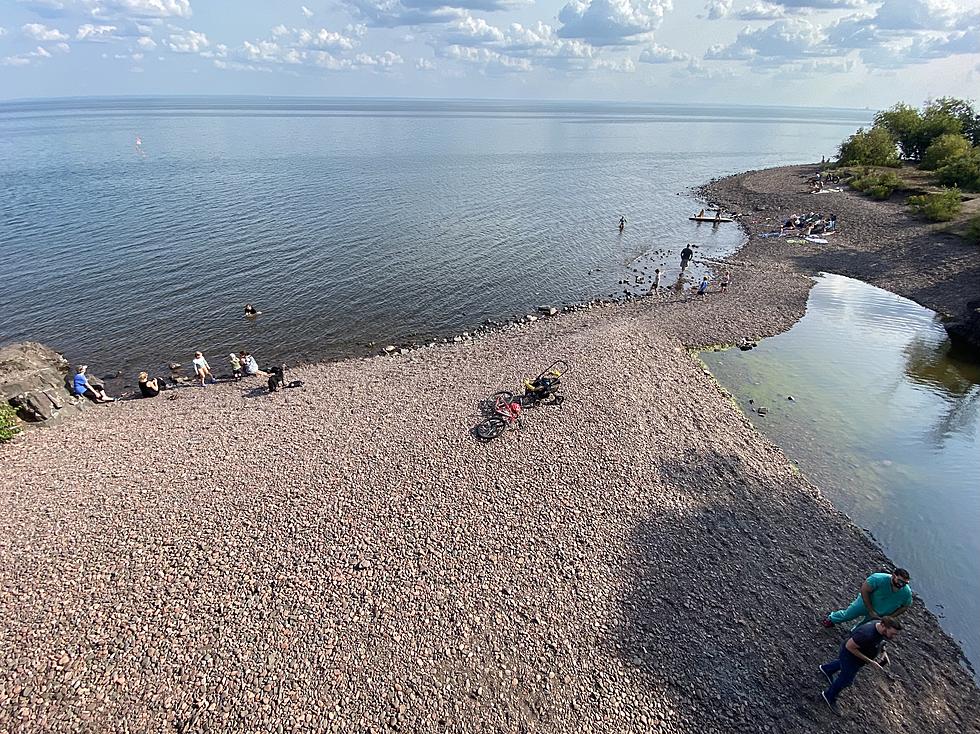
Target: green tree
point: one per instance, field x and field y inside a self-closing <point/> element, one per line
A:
<point x="902" y="122"/>
<point x="935" y="123"/>
<point x="963" y="172"/>
<point x="874" y="147"/>
<point x="945" y="149"/>
<point x="964" y="111"/>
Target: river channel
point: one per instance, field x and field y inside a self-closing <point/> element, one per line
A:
<point x="885" y="419"/>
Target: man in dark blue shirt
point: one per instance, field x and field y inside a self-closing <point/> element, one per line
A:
<point x="860" y="649"/>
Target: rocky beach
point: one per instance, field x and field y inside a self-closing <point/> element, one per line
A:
<point x="346" y="557"/>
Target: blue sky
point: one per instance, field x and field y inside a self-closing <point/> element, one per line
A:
<point x="848" y="53"/>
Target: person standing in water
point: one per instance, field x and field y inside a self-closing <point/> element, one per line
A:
<point x="657" y="275"/>
<point x="622" y="223"/>
<point x="686" y="254"/>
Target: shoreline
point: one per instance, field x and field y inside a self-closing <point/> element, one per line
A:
<point x="345" y="556"/>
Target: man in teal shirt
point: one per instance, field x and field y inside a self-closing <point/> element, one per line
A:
<point x="882" y="594"/>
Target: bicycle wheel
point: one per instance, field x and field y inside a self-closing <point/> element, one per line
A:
<point x="490" y="428"/>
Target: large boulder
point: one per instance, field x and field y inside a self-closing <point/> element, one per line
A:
<point x="965" y="329"/>
<point x="34" y="380"/>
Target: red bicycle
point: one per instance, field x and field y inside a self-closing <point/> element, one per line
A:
<point x="504" y="414"/>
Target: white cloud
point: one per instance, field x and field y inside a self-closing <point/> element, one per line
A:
<point x="89" y="32"/>
<point x="306" y="11"/>
<point x="139" y="8"/>
<point x="187" y="42"/>
<point x="716" y="9"/>
<point x="762" y="11"/>
<point x="41" y="32"/>
<point x="782" y="41"/>
<point x="27" y="58"/>
<point x="394" y="13"/>
<point x="424" y="65"/>
<point x="916" y="15"/>
<point x="146" y="42"/>
<point x="657" y="54"/>
<point x="611" y="22"/>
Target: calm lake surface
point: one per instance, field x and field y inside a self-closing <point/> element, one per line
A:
<point x="348" y="221"/>
<point x="886" y="420"/>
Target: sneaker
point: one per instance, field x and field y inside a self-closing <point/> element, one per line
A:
<point x="826" y="622"/>
<point x="831" y="704"/>
<point x="828" y="676"/>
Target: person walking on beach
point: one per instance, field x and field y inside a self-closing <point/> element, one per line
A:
<point x="703" y="287"/>
<point x="686" y="254"/>
<point x="881" y="594"/>
<point x="860" y="649"/>
<point x="725" y="280"/>
<point x="657" y="275"/>
<point x="201" y="368"/>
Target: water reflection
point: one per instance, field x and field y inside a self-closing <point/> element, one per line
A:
<point x="886" y="420"/>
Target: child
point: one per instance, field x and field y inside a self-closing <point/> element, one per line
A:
<point x="236" y="365"/>
<point x="725" y="280"/>
<point x="201" y="368"/>
<point x="656" y="281"/>
<point x="703" y="288"/>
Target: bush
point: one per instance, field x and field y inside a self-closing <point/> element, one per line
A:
<point x="940" y="207"/>
<point x="945" y="149"/>
<point x="874" y="147"/>
<point x="973" y="230"/>
<point x="8" y="423"/>
<point x="878" y="185"/>
<point x="963" y="172"/>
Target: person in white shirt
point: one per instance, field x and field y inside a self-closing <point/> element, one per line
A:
<point x="201" y="368"/>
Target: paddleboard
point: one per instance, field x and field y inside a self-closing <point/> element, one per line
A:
<point x="709" y="219"/>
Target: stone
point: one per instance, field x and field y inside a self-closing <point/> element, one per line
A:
<point x="390" y="348"/>
<point x="762" y="410"/>
<point x="34" y="380"/>
<point x="548" y="310"/>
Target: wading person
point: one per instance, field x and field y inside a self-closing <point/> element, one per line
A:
<point x="881" y="594"/>
<point x="858" y="650"/>
<point x="686" y="254"/>
<point x="201" y="368"/>
<point x="657" y="275"/>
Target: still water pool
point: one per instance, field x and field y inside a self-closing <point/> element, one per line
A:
<point x="885" y="419"/>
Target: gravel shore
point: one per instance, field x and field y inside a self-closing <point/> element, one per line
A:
<point x="345" y="557"/>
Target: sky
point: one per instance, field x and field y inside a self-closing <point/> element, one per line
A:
<point x="842" y="53"/>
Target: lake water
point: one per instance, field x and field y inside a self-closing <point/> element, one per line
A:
<point x="886" y="420"/>
<point x="348" y="221"/>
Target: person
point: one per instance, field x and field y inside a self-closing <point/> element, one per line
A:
<point x="700" y="213"/>
<point x="686" y="254"/>
<point x="718" y="215"/>
<point x="881" y="594"/>
<point x="860" y="649"/>
<point x="703" y="287"/>
<point x="149" y="388"/>
<point x="201" y="368"/>
<point x="236" y="366"/>
<point x="657" y="275"/>
<point x="622" y="223"/>
<point x="249" y="365"/>
<point x="250" y="311"/>
<point x="83" y="388"/>
<point x="725" y="280"/>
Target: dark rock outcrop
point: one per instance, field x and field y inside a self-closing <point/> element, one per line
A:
<point x="33" y="379"/>
<point x="965" y="328"/>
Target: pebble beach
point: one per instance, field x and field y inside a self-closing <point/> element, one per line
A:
<point x="346" y="557"/>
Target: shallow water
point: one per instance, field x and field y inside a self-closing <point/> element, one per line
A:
<point x="886" y="420"/>
<point x="349" y="221"/>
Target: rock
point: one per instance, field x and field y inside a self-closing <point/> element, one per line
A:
<point x="174" y="366"/>
<point x="762" y="410"/>
<point x="790" y="397"/>
<point x="548" y="310"/>
<point x="390" y="348"/>
<point x="34" y="380"/>
<point x="531" y="318"/>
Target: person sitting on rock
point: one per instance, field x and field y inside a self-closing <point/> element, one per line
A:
<point x="149" y="388"/>
<point x="249" y="365"/>
<point x="881" y="594"/>
<point x="82" y="387"/>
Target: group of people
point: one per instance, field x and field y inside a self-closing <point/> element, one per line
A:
<point x="810" y="224"/>
<point x="883" y="598"/>
<point x="821" y="179"/>
<point x="243" y="364"/>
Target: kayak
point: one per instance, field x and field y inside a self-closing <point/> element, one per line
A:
<point x="710" y="219"/>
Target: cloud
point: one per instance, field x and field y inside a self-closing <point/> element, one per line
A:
<point x="657" y="54"/>
<point x="89" y="32"/>
<point x="146" y="42"/>
<point x="780" y="42"/>
<point x="716" y="9"/>
<point x="762" y="11"/>
<point x="916" y="15"/>
<point x="424" y="65"/>
<point x="45" y="8"/>
<point x="187" y="42"/>
<point x="39" y="53"/>
<point x="920" y="49"/>
<point x="394" y="13"/>
<point x="306" y="11"/>
<point x="611" y="22"/>
<point x="42" y="33"/>
<point x="139" y="8"/>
